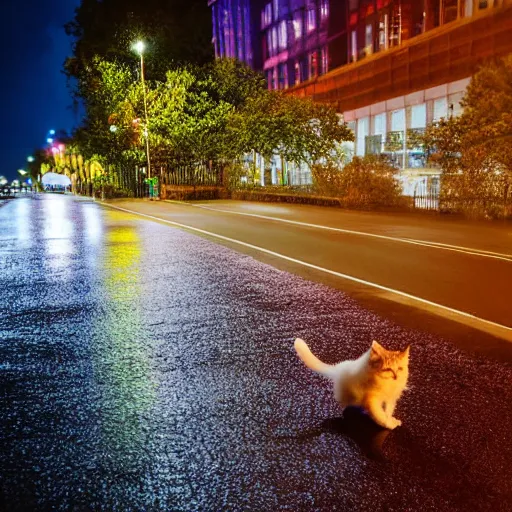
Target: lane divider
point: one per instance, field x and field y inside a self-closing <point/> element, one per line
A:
<point x="473" y="320"/>
<point x="425" y="243"/>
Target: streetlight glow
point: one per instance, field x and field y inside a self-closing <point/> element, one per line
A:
<point x="22" y="172"/>
<point x="52" y="132"/>
<point x="30" y="159"/>
<point x="49" y="140"/>
<point x="139" y="47"/>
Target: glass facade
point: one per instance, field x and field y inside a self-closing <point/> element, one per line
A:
<point x="299" y="50"/>
<point x="235" y="35"/>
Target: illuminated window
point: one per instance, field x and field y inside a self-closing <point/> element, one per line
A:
<point x="398" y="120"/>
<point x="324" y="9"/>
<point x="379" y="124"/>
<point x="383" y="32"/>
<point x="325" y="60"/>
<point x="362" y="133"/>
<point x="419" y="116"/>
<point x="283" y="39"/>
<point x="276" y="9"/>
<point x="368" y="42"/>
<point x="297" y="25"/>
<point x="353" y="45"/>
<point x="297" y="72"/>
<point x="311" y="20"/>
<point x="440" y="109"/>
<point x="266" y="16"/>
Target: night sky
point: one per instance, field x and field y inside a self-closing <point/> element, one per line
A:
<point x="34" y="94"/>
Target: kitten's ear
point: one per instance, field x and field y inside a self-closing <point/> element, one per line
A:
<point x="376" y="359"/>
<point x="377" y="347"/>
<point x="405" y="353"/>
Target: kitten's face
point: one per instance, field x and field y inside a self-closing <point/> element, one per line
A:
<point x="388" y="364"/>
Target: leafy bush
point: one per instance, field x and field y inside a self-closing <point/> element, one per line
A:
<point x="364" y="183"/>
<point x="191" y="193"/>
<point x="287" y="195"/>
<point x="477" y="192"/>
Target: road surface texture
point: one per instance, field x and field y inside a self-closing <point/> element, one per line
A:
<point x="145" y="368"/>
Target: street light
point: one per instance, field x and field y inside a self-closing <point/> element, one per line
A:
<point x="139" y="48"/>
<point x="30" y="159"/>
<point x="22" y="172"/>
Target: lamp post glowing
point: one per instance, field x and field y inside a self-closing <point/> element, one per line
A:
<point x="22" y="172"/>
<point x="139" y="48"/>
<point x="30" y="159"/>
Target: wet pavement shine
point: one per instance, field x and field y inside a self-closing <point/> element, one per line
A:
<point x="144" y="368"/>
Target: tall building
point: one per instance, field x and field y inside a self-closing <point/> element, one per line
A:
<point x="236" y="31"/>
<point x="390" y="67"/>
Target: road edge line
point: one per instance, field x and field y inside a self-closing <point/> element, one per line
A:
<point x="425" y="243"/>
<point x="413" y="298"/>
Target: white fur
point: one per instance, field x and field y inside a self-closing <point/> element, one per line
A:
<point x="357" y="383"/>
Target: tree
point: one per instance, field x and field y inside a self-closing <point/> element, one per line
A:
<point x="474" y="150"/>
<point x="487" y="116"/>
<point x="299" y="130"/>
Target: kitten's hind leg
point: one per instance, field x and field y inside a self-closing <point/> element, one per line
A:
<point x="377" y="413"/>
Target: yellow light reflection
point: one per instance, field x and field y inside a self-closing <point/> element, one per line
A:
<point x="123" y="363"/>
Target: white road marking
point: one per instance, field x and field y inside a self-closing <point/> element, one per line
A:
<point x="480" y="323"/>
<point x="425" y="243"/>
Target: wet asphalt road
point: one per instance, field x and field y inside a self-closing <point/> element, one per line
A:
<point x="144" y="368"/>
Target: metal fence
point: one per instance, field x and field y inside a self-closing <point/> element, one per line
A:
<point x="199" y="174"/>
<point x="428" y="200"/>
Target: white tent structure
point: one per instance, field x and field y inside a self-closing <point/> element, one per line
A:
<point x="52" y="179"/>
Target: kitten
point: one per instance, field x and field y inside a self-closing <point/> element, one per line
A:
<point x="374" y="382"/>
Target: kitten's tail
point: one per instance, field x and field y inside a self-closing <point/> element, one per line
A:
<point x="311" y="361"/>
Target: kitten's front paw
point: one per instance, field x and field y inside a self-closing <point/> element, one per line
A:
<point x="393" y="423"/>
